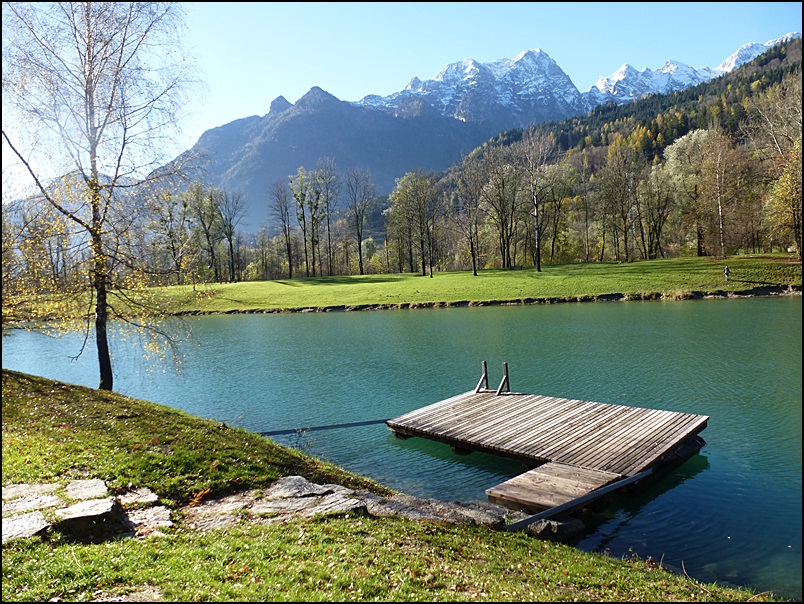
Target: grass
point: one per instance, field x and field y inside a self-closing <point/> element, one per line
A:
<point x="677" y="278"/>
<point x="56" y="432"/>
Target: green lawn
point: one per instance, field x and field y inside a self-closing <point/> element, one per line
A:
<point x="676" y="278"/>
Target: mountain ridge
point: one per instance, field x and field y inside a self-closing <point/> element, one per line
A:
<point x="428" y="125"/>
<point x="624" y="85"/>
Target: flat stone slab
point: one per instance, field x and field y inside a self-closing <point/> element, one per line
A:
<point x="24" y="525"/>
<point x="93" y="519"/>
<point x="381" y="506"/>
<point x="147" y="520"/>
<point x="289" y="505"/>
<point x="335" y="503"/>
<point x="139" y="495"/>
<point x="86" y="489"/>
<point x="142" y="594"/>
<point x="231" y="504"/>
<point x="90" y="508"/>
<point x="213" y="521"/>
<point x="296" y="486"/>
<point x="12" y="491"/>
<point x="27" y="503"/>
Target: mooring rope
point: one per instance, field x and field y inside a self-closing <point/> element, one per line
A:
<point x="316" y="428"/>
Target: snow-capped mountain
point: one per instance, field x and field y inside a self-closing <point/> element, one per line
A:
<point x="627" y="84"/>
<point x="533" y="88"/>
<point x="749" y="52"/>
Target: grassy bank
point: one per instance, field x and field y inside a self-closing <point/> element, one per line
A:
<point x="54" y="432"/>
<point x="674" y="279"/>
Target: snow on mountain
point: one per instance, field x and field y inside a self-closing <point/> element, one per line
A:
<point x="530" y="87"/>
<point x="533" y="88"/>
<point x="627" y="84"/>
<point x="749" y="52"/>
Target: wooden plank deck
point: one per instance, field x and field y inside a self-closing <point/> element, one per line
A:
<point x="575" y="446"/>
<point x="610" y="438"/>
<point x="547" y="486"/>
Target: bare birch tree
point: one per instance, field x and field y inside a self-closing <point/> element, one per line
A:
<point x="280" y="206"/>
<point x="536" y="151"/>
<point x="360" y="191"/>
<point x="93" y="90"/>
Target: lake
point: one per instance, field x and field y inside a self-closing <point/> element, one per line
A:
<point x="732" y="513"/>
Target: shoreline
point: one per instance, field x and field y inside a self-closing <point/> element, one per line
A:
<point x="757" y="292"/>
<point x="765" y="292"/>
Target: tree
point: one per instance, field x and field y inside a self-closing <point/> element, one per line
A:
<point x="280" y="204"/>
<point x="416" y="197"/>
<point x="232" y="208"/>
<point x="725" y="176"/>
<point x="468" y="216"/>
<point x="38" y="255"/>
<point x="399" y="229"/>
<point x="560" y="180"/>
<point x="205" y="207"/>
<point x="172" y="237"/>
<point x="774" y="129"/>
<point x="90" y="89"/>
<point x="684" y="160"/>
<point x="502" y="198"/>
<point x="360" y="191"/>
<point x="328" y="187"/>
<point x="785" y="199"/>
<point x="585" y="163"/>
<point x="617" y="183"/>
<point x="656" y="204"/>
<point x="536" y="150"/>
<point x="300" y="187"/>
<point x="775" y="117"/>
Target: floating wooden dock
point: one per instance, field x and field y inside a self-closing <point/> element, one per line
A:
<point x="576" y="448"/>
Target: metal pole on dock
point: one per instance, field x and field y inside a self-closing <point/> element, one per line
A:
<point x="504" y="383"/>
<point x="484" y="379"/>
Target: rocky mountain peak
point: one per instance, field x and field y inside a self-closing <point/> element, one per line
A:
<point x="316" y="98"/>
<point x="278" y="105"/>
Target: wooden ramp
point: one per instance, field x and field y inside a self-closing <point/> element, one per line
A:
<point x="550" y="485"/>
<point x="575" y="447"/>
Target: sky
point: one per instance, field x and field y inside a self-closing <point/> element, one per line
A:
<point x="250" y="53"/>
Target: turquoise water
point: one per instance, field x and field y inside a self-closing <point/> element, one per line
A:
<point x="731" y="514"/>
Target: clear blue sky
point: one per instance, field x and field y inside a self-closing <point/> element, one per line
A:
<point x="249" y="53"/>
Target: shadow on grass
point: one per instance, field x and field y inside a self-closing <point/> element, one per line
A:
<point x="767" y="283"/>
<point x="341" y="280"/>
